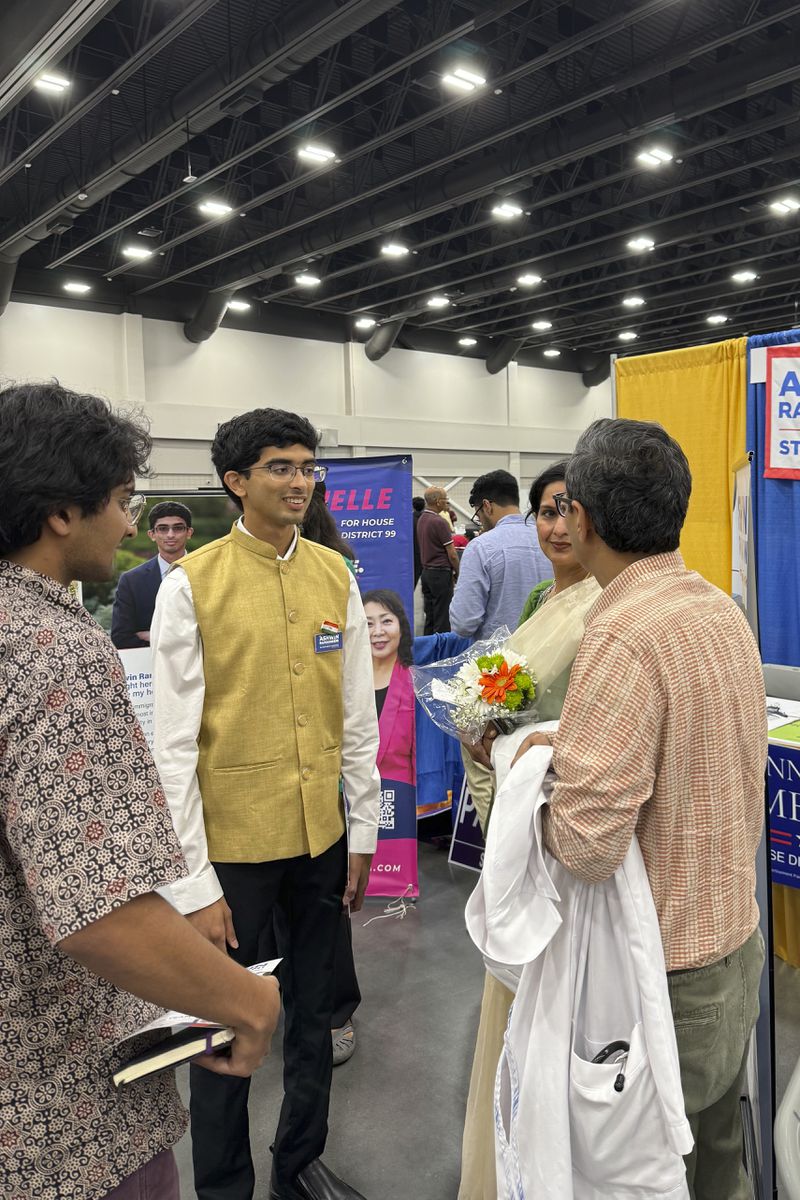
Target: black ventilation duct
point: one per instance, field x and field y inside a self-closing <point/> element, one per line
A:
<point x="382" y="340"/>
<point x="501" y="355"/>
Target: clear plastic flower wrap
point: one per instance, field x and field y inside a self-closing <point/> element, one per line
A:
<point x="487" y="682"/>
<point x="544" y="648"/>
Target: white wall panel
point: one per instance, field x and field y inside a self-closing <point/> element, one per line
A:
<point x="416" y="386"/>
<point x="236" y="370"/>
<point x="454" y="418"/>
<point x="83" y="350"/>
<point x="555" y="400"/>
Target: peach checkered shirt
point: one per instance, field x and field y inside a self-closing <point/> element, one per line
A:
<point x="664" y="734"/>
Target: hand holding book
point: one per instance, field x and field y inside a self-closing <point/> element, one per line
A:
<point x="223" y="1049"/>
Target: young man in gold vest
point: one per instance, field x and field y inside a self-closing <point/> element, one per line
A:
<point x="263" y="694"/>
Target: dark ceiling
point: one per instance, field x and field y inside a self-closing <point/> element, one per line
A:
<point x="573" y="93"/>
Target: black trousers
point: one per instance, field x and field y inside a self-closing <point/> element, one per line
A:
<point x="301" y="899"/>
<point x="346" y="992"/>
<point x="437" y="592"/>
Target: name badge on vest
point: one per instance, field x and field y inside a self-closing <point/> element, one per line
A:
<point x="329" y="638"/>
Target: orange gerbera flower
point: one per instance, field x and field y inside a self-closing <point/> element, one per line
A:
<point x="494" y="688"/>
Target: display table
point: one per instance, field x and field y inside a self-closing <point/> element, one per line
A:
<point x="783" y="779"/>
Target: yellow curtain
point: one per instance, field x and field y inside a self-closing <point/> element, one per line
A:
<point x="699" y="396"/>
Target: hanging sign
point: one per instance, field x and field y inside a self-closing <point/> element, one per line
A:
<point x="782" y="442"/>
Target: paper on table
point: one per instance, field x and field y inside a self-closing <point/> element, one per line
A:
<point x="175" y="1018"/>
<point x="780" y="711"/>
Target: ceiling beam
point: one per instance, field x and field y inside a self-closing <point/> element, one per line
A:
<point x="34" y="36"/>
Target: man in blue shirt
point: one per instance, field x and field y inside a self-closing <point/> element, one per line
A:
<point x="498" y="571"/>
<point x="499" y="568"/>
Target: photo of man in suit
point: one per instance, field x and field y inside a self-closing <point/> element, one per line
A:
<point x="170" y="527"/>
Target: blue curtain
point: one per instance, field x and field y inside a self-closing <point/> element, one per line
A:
<point x="776" y="529"/>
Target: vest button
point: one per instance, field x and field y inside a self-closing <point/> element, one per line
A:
<point x="298" y="668"/>
<point x="302" y="719"/>
<point x="293" y="615"/>
<point x="306" y="773"/>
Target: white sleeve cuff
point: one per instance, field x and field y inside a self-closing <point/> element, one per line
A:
<point x="198" y="891"/>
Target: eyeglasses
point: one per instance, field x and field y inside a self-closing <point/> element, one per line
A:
<point x="286" y="472"/>
<point x="476" y="516"/>
<point x="133" y="507"/>
<point x="169" y="529"/>
<point x="562" y="503"/>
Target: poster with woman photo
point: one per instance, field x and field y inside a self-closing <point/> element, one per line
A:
<point x="370" y="501"/>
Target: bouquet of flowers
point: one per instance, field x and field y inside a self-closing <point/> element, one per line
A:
<point x="488" y="682"/>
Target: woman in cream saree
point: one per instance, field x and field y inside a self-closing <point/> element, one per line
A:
<point x="549" y="639"/>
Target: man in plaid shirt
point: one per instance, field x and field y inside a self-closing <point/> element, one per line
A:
<point x="664" y="735"/>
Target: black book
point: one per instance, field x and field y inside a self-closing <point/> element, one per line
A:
<point x="172" y="1051"/>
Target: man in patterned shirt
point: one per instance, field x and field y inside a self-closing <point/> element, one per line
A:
<point x="664" y="735"/>
<point x="85" y="836"/>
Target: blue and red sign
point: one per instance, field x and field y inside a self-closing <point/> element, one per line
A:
<point x="783" y="780"/>
<point x="782" y="440"/>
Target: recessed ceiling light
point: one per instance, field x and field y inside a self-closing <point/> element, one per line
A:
<point x="463" y="80"/>
<point x="366" y="323"/>
<point x="506" y="210"/>
<point x="307" y="280"/>
<point x="461" y="85"/>
<point x="786" y="204"/>
<point x="52" y="83"/>
<point x="394" y="249"/>
<point x="641" y="243"/>
<point x="542" y="325"/>
<point x="529" y="279"/>
<point x="467" y="341"/>
<point x="633" y="301"/>
<point x="551" y="352"/>
<point x="716" y="319"/>
<point x="320" y="154"/>
<point x="215" y="208"/>
<point x="627" y="335"/>
<point x="77" y="289"/>
<point x="136" y="251"/>
<point x="470" y="76"/>
<point x="437" y="302"/>
<point x="239" y="305"/>
<point x="744" y="276"/>
<point x="654" y="156"/>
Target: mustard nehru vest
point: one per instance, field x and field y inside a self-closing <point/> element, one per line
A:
<point x="271" y="731"/>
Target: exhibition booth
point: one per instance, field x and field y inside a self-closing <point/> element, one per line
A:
<point x="734" y="407"/>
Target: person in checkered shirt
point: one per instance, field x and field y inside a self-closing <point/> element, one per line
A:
<point x="664" y="735"/>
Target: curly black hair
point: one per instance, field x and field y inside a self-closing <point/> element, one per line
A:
<point x="59" y="448"/>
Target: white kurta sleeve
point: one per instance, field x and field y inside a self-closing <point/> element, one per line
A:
<point x="179" y="692"/>
<point x="360" y="738"/>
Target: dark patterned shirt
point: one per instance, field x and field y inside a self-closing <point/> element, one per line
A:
<point x="83" y="829"/>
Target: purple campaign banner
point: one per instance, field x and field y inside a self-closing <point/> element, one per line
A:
<point x="783" y="781"/>
<point x="370" y="501"/>
<point x="467" y="847"/>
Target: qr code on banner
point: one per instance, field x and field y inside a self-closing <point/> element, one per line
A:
<point x="386" y="816"/>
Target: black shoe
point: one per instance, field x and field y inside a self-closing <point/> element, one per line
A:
<point x="315" y="1182"/>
